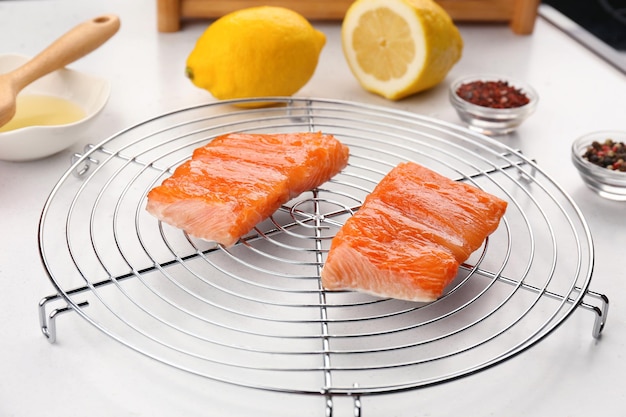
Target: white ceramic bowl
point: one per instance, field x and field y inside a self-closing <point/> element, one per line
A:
<point x="35" y="142"/>
<point x="607" y="183"/>
<point x="492" y="121"/>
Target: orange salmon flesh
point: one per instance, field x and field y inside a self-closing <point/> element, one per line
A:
<point x="410" y="236"/>
<point x="237" y="180"/>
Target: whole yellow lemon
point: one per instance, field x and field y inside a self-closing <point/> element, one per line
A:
<point x="255" y="52"/>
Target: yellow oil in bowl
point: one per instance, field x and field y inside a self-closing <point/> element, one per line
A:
<point x="43" y="110"/>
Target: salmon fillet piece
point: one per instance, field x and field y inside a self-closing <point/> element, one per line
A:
<point x="306" y="159"/>
<point x="238" y="180"/>
<point x="410" y="236"/>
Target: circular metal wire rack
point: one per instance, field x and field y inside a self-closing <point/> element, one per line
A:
<point x="255" y="315"/>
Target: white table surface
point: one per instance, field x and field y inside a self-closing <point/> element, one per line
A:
<point x="86" y="374"/>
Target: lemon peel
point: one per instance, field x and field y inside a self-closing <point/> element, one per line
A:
<point x="255" y="52"/>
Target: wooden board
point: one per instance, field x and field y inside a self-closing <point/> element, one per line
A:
<point x="519" y="14"/>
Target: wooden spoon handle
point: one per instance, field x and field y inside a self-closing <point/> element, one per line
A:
<point x="78" y="42"/>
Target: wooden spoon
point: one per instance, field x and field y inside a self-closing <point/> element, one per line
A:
<point x="73" y="45"/>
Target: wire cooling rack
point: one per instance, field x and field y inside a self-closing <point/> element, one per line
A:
<point x="255" y="315"/>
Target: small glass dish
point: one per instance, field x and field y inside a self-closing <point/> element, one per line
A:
<point x="608" y="183"/>
<point x="488" y="120"/>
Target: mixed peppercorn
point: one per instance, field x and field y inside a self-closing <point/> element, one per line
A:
<point x="494" y="94"/>
<point x="608" y="154"/>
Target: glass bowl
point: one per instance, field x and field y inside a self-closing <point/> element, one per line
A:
<point x="488" y="120"/>
<point x="606" y="182"/>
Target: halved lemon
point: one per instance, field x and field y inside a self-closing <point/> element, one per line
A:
<point x="396" y="48"/>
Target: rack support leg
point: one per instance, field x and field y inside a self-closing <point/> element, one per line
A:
<point x="47" y="322"/>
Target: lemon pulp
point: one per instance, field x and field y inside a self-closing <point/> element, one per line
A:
<point x="383" y="44"/>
